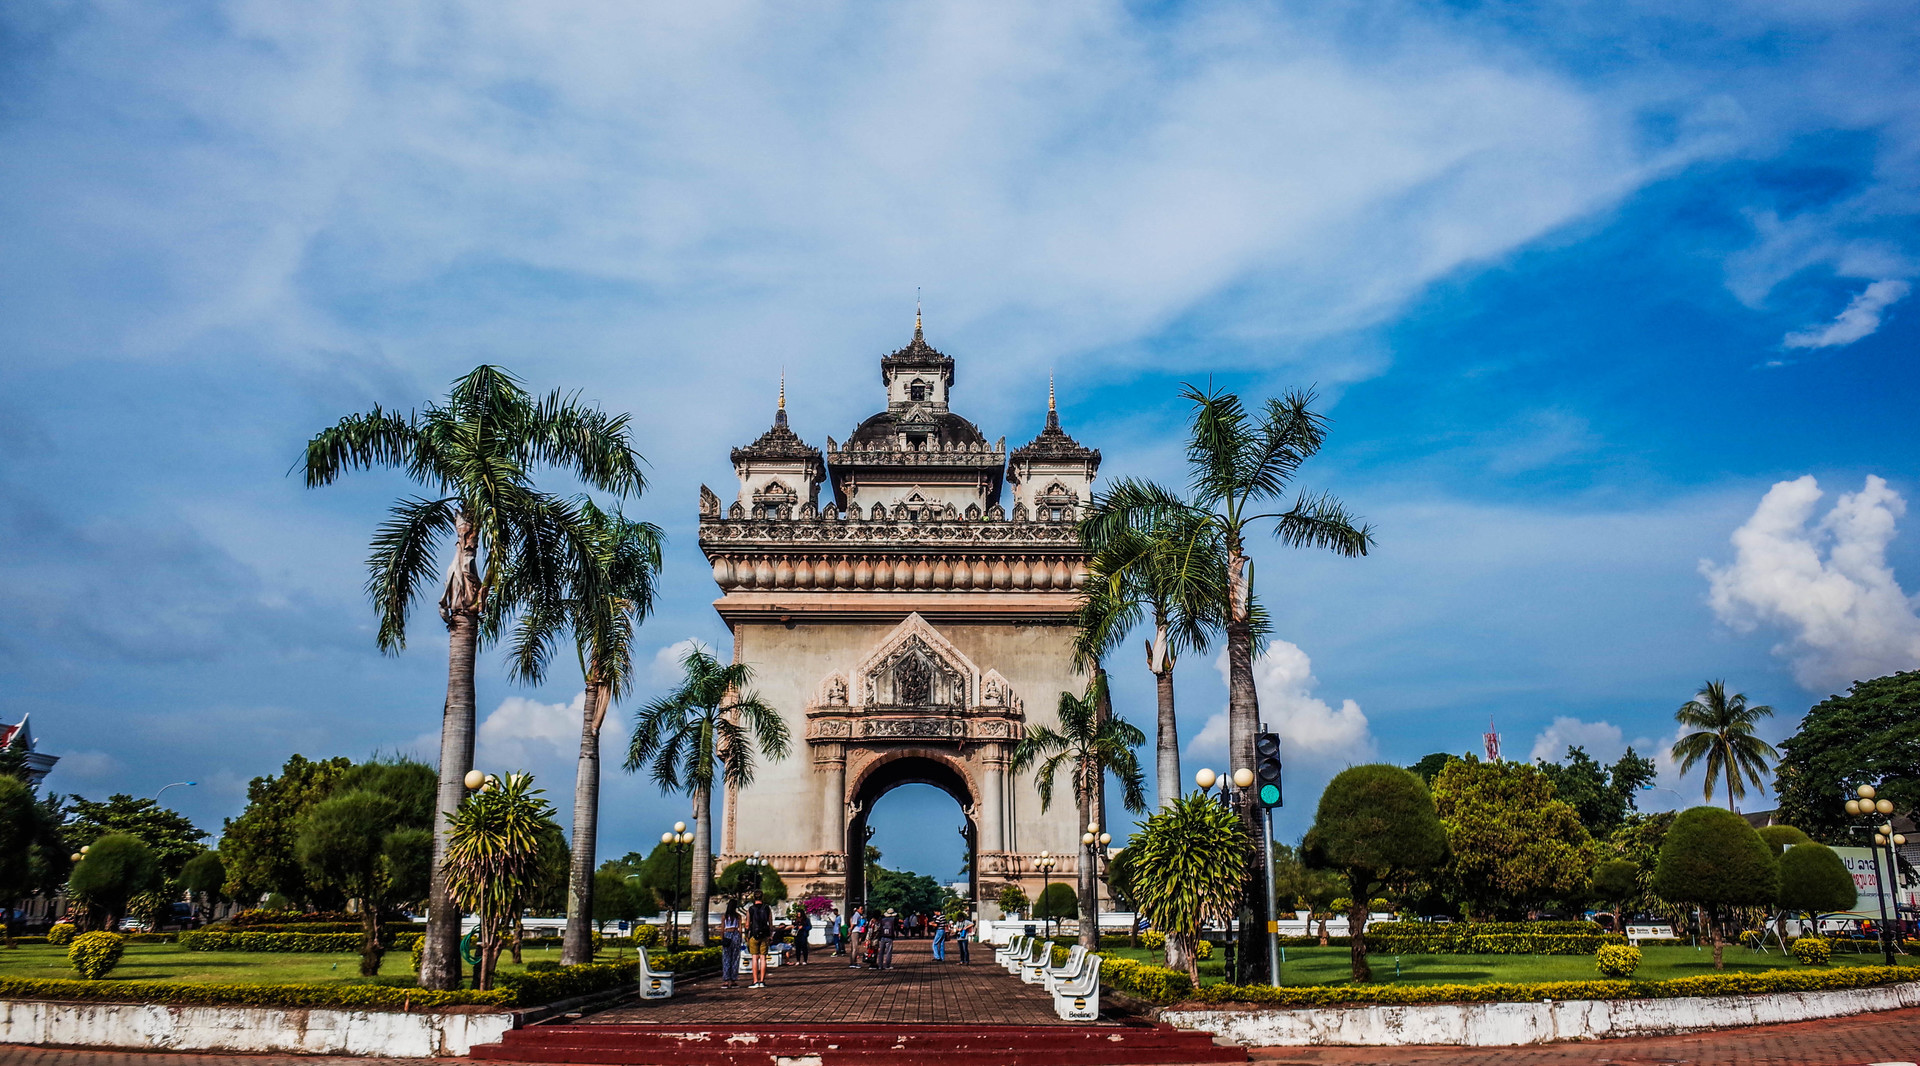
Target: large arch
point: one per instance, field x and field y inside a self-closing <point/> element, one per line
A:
<point x="913" y="766"/>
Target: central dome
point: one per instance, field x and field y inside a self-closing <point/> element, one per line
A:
<point x="923" y="427"/>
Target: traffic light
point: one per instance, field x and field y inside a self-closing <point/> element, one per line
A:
<point x="1266" y="769"/>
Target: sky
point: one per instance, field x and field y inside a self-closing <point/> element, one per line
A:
<point x="1610" y="304"/>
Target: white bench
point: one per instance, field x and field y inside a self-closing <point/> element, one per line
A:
<point x="1008" y="955"/>
<point x="1018" y="963"/>
<point x="654" y="984"/>
<point x="1076" y="961"/>
<point x="1034" y="970"/>
<point x="1077" y="999"/>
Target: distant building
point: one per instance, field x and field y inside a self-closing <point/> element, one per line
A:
<point x="38" y="762"/>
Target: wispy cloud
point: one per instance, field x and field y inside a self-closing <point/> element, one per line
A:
<point x="1859" y="320"/>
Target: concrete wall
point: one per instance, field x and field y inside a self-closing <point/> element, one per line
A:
<point x="161" y="1027"/>
<point x="1510" y="1024"/>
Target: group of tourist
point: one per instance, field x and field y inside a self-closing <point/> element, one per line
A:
<point x="863" y="941"/>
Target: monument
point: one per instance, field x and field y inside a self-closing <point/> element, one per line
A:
<point x="905" y="601"/>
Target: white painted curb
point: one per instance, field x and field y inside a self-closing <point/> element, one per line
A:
<point x="1511" y="1024"/>
<point x="172" y="1027"/>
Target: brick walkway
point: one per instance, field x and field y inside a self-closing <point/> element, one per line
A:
<point x="917" y="989"/>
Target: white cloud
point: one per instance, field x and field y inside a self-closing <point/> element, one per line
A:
<point x="1859" y="320"/>
<point x="1209" y="746"/>
<point x="665" y="670"/>
<point x="1602" y="740"/>
<point x="1829" y="586"/>
<point x="1312" y="731"/>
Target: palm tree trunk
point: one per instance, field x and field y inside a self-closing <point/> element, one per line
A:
<point x="702" y="865"/>
<point x="577" y="947"/>
<point x="1089" y="931"/>
<point x="1243" y="720"/>
<point x="1167" y="743"/>
<point x="1730" y="779"/>
<point x="440" y="959"/>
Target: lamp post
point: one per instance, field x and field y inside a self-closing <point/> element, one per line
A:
<point x="1046" y="862"/>
<point x="866" y="875"/>
<point x="176" y="784"/>
<point x="1868" y="805"/>
<point x="1096" y="844"/>
<point x="678" y="837"/>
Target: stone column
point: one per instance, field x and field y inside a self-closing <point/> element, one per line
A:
<point x="993" y="808"/>
<point x="831" y="761"/>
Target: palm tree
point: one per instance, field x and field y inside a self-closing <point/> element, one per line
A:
<point x="602" y="610"/>
<point x="712" y="717"/>
<point x="1089" y="745"/>
<point x="1724" y="738"/>
<point x="493" y="859"/>
<point x="1173" y="568"/>
<point x="475" y="455"/>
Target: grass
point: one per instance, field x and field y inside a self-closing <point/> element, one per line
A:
<point x="170" y="962"/>
<point x="1332" y="965"/>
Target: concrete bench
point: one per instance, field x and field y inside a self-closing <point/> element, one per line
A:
<point x="1008" y="956"/>
<point x="1076" y="963"/>
<point x="654" y="984"/>
<point x="1077" y="999"/>
<point x="1034" y="970"/>
<point x="1017" y="965"/>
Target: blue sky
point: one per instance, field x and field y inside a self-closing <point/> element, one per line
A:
<point x="1611" y="305"/>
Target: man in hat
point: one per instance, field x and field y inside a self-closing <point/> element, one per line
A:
<point x="889" y="928"/>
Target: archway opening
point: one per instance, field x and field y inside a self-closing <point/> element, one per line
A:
<point x="915" y="809"/>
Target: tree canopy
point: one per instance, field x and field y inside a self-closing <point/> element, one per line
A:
<point x="1813" y="880"/>
<point x="172" y="836"/>
<point x="908" y="893"/>
<point x="1781" y="837"/>
<point x="1714" y="860"/>
<point x="1723" y="738"/>
<point x="257" y="847"/>
<point x="1511" y="844"/>
<point x="1603" y="796"/>
<point x="117" y="867"/>
<point x="1871" y="735"/>
<point x="1376" y="824"/>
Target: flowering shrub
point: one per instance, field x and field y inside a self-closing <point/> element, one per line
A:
<point x="1617" y="961"/>
<point x="94" y="955"/>
<point x="1812" y="950"/>
<point x="61" y="933"/>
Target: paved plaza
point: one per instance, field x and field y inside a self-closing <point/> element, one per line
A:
<point x="916" y="990"/>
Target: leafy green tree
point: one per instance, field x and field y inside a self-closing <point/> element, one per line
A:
<point x="1012" y="900"/>
<point x="343" y="842"/>
<point x="117" y="867"/>
<point x="1511" y="844"/>
<point x="1723" y="736"/>
<point x="1088" y="748"/>
<point x="1870" y="736"/>
<point x="1813" y="881"/>
<point x="1057" y="903"/>
<point x="1429" y="766"/>
<point x="1602" y="795"/>
<point x="1781" y="837"/>
<point x="613" y="900"/>
<point x="493" y="859"/>
<point x="1190" y="864"/>
<point x="739" y="881"/>
<point x="474" y="455"/>
<point x="1638" y="841"/>
<point x="1615" y="881"/>
<point x="1241" y="466"/>
<point x="204" y="877"/>
<point x="172" y="836"/>
<point x="707" y="731"/>
<point x="1119" y="879"/>
<point x="667" y="881"/>
<point x="19" y="830"/>
<point x="1169" y="569"/>
<point x="1376" y="825"/>
<point x="601" y="611"/>
<point x="257" y="847"/>
<point x="906" y="892"/>
<point x="1712" y="859"/>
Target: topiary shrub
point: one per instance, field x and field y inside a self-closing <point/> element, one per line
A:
<point x="94" y="955"/>
<point x="1812" y="950"/>
<point x="61" y="933"/>
<point x="1203" y="949"/>
<point x="1153" y="940"/>
<point x="1617" y="961"/>
<point x="646" y="935"/>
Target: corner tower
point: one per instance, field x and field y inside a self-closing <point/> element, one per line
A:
<point x="907" y="625"/>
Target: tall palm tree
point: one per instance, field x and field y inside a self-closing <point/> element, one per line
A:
<point x="711" y="718"/>
<point x="1724" y="737"/>
<point x="602" y="610"/>
<point x="1171" y="568"/>
<point x="475" y="454"/>
<point x="1089" y="746"/>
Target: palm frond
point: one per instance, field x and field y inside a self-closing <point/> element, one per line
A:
<point x="360" y="442"/>
<point x="402" y="563"/>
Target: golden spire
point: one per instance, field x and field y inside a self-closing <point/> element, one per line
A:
<point x="783" y="388"/>
<point x="916" y="314"/>
<point x="1050" y="405"/>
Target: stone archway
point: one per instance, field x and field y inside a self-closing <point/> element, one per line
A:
<point x="910" y="767"/>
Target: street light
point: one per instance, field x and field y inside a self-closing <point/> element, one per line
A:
<point x="1046" y="862"/>
<point x="866" y="882"/>
<point x="176" y="784"/>
<point x="1096" y="843"/>
<point x="675" y="838"/>
<point x="1236" y="795"/>
<point x="1865" y="803"/>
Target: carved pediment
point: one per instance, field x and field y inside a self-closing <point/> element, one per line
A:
<point x="915" y="666"/>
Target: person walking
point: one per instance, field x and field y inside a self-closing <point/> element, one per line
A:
<point x="830" y="931"/>
<point x="857" y="930"/>
<point x="802" y="933"/>
<point x="889" y="929"/>
<point x="939" y="940"/>
<point x="962" y="932"/>
<point x="730" y="945"/>
<point x="759" y="937"/>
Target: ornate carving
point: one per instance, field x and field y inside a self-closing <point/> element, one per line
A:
<point x="709" y="503"/>
<point x="836" y="691"/>
<point x="940" y="728"/>
<point x="913" y="681"/>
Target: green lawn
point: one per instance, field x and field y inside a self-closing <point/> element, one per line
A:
<point x="168" y="962"/>
<point x="1332" y="965"/>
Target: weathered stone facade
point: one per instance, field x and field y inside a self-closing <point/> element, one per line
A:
<point x="908" y="626"/>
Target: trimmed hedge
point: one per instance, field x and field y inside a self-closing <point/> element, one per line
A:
<point x="352" y="997"/>
<point x="202" y="940"/>
<point x="61" y="933"/>
<point x="1156" y="984"/>
<point x="313" y="927"/>
<point x="1806" y="980"/>
<point x="1489" y="938"/>
<point x="565" y="982"/>
<point x="1617" y="961"/>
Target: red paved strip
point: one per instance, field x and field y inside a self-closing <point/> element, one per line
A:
<point x="1886" y="1036"/>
